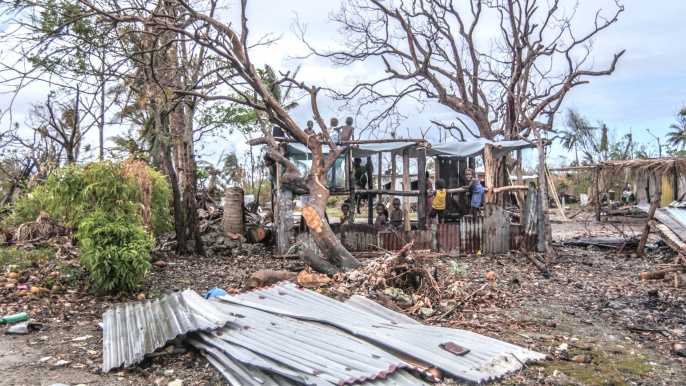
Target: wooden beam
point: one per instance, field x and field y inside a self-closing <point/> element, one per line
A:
<point x="421" y="184"/>
<point x="520" y="180"/>
<point x="351" y="186"/>
<point x="651" y="212"/>
<point x="489" y="175"/>
<point x="394" y="174"/>
<point x="370" y="197"/>
<point x="378" y="177"/>
<point x="406" y="186"/>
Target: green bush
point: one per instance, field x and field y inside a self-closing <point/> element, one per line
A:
<point x="114" y="210"/>
<point x="114" y="251"/>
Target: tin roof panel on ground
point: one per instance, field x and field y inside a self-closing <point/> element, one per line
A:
<point x="132" y="330"/>
<point x="488" y="359"/>
<point x="307" y="347"/>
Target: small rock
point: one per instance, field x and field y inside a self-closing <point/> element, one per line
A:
<point x="161" y="381"/>
<point x="45" y="359"/>
<point x="582" y="358"/>
<point x="61" y="363"/>
<point x="176" y="382"/>
<point x="168" y="373"/>
<point x="160" y="263"/>
<point x="426" y="312"/>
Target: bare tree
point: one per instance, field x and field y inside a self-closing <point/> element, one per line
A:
<point x="245" y="86"/>
<point x="501" y="85"/>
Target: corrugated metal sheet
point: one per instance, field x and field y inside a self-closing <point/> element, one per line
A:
<point x="471" y="234"/>
<point x="270" y="373"/>
<point x="676" y="242"/>
<point x="395" y="240"/>
<point x="359" y="237"/>
<point x="521" y="241"/>
<point x="306" y="347"/>
<point x="679" y="215"/>
<point x="496" y="233"/>
<point x="488" y="359"/>
<point x="374" y="308"/>
<point x="448" y="235"/>
<point x="132" y="330"/>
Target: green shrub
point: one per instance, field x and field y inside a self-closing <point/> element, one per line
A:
<point x="114" y="209"/>
<point x="114" y="251"/>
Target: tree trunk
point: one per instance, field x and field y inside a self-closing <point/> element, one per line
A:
<point x="335" y="257"/>
<point x="551" y="255"/>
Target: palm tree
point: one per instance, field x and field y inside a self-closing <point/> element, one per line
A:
<point x="677" y="137"/>
<point x="576" y="133"/>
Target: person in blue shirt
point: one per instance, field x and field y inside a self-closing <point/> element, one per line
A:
<point x="476" y="192"/>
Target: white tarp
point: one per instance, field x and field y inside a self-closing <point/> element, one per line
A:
<point x="456" y="149"/>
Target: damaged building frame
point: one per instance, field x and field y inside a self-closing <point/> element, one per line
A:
<point x="459" y="233"/>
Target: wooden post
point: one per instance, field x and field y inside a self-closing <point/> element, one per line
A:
<point x="657" y="198"/>
<point x="394" y="174"/>
<point x="351" y="186"/>
<point x="421" y="184"/>
<point x="285" y="223"/>
<point x="596" y="187"/>
<point x="520" y="181"/>
<point x="406" y="186"/>
<point x="489" y="174"/>
<point x="378" y="178"/>
<point x="370" y="197"/>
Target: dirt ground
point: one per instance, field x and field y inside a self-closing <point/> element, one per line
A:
<point x="593" y="308"/>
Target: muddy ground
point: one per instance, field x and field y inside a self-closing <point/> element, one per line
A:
<point x="593" y="304"/>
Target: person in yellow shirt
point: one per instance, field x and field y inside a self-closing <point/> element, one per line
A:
<point x="438" y="206"/>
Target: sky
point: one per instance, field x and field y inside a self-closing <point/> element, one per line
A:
<point x="645" y="92"/>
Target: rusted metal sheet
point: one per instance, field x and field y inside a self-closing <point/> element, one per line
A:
<point x="471" y="234"/>
<point x="520" y="241"/>
<point x="496" y="230"/>
<point x="359" y="237"/>
<point x="448" y="237"/>
<point x="395" y="240"/>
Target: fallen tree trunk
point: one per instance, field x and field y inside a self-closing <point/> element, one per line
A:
<point x="267" y="277"/>
<point x="539" y="265"/>
<point x="318" y="263"/>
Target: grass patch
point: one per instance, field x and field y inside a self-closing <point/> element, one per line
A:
<point x="25" y="259"/>
<point x="611" y="365"/>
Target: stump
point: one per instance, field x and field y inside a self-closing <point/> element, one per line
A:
<point x="233" y="220"/>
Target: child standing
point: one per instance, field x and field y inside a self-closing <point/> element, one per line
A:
<point x="476" y="191"/>
<point x="380" y="223"/>
<point x="345" y="219"/>
<point x="438" y="206"/>
<point x="397" y="215"/>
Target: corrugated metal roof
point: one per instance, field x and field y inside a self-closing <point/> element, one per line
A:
<point x="678" y="214"/>
<point x="374" y="308"/>
<point x="132" y="330"/>
<point x="496" y="230"/>
<point x="448" y="235"/>
<point x="396" y="240"/>
<point x="226" y="357"/>
<point x="471" y="234"/>
<point x="359" y="237"/>
<point x="488" y="359"/>
<point x="308" y="348"/>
